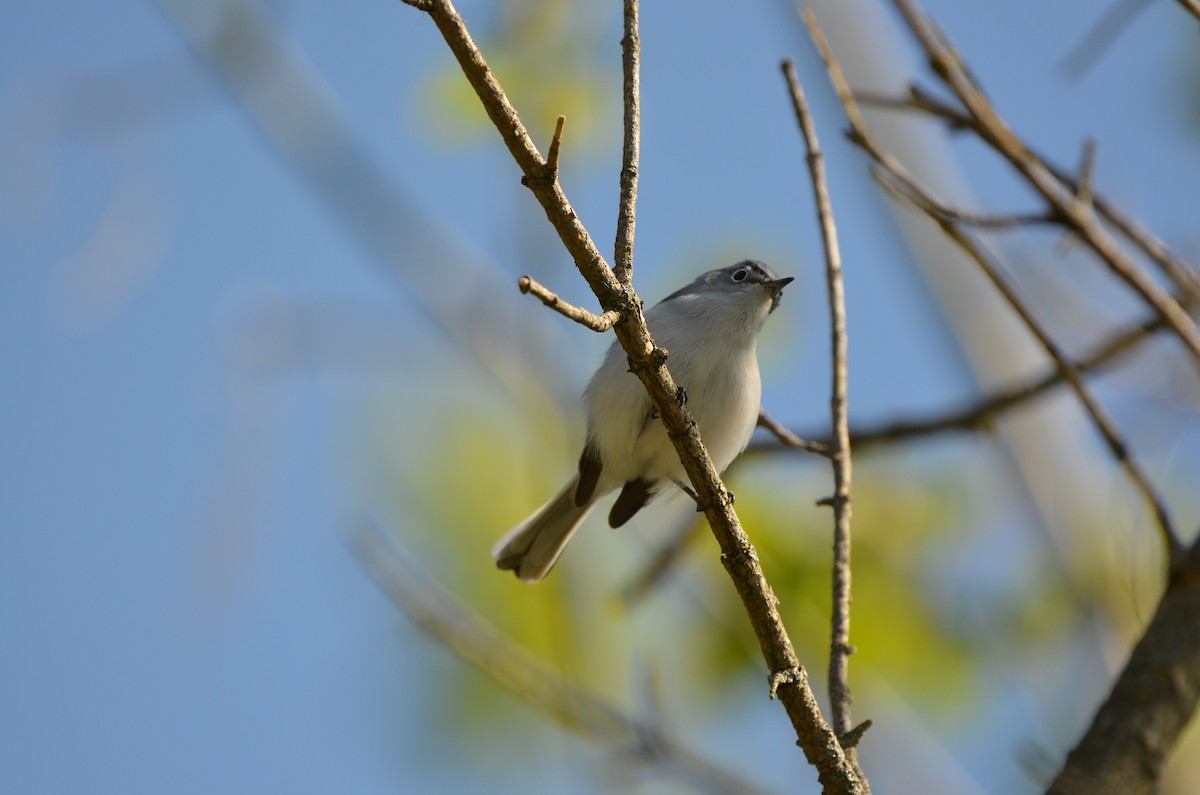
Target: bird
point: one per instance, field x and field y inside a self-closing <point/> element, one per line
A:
<point x="710" y="329"/>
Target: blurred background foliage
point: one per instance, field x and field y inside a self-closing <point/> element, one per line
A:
<point x="551" y="61"/>
<point x="387" y="366"/>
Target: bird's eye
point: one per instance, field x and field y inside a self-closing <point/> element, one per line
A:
<point x="740" y="275"/>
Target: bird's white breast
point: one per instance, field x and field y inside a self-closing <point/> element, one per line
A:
<point x="717" y="368"/>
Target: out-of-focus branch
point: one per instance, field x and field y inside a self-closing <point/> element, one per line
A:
<point x="1156" y="695"/>
<point x="840" y="649"/>
<point x="789" y="439"/>
<point x="1183" y="276"/>
<point x="980" y="415"/>
<point x="633" y="742"/>
<point x="1100" y="417"/>
<point x="907" y="188"/>
<point x="1078" y="215"/>
<point x="787" y="678"/>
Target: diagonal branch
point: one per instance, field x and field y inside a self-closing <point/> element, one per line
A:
<point x="1182" y="275"/>
<point x="788" y="439"/>
<point x="1100" y="417"/>
<point x="839" y="646"/>
<point x="981" y="415"/>
<point x="647" y="361"/>
<point x="1078" y="215"/>
<point x="904" y="186"/>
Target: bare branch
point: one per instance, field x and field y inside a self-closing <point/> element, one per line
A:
<point x="648" y="363"/>
<point x="839" y="647"/>
<point x="1100" y="418"/>
<point x="981" y="415"/>
<point x="1182" y="275"/>
<point x="790" y="439"/>
<point x="631" y="47"/>
<point x="948" y="65"/>
<point x="601" y="322"/>
<point x="527" y="677"/>
<point x="905" y="187"/>
<point x="1001" y="221"/>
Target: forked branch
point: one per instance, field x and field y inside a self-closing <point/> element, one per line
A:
<point x="648" y="362"/>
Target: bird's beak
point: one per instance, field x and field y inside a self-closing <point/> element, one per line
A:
<point x="776" y="287"/>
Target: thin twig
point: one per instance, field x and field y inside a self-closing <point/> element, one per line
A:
<point x="493" y="654"/>
<point x="903" y="185"/>
<point x="1100" y="417"/>
<point x="631" y="48"/>
<point x="555" y="145"/>
<point x="602" y="322"/>
<point x="786" y="437"/>
<point x="980" y="415"/>
<point x="947" y="63"/>
<point x="1185" y="278"/>
<point x="1002" y="221"/>
<point x="839" y="647"/>
<point x="648" y="362"/>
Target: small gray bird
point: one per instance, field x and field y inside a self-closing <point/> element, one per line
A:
<point x="710" y="329"/>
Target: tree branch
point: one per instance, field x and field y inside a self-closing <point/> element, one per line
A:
<point x="1183" y="276"/>
<point x="1100" y="418"/>
<point x="948" y="65"/>
<point x="839" y="647"/>
<point x="789" y="439"/>
<point x="1155" y="696"/>
<point x="601" y="322"/>
<point x="905" y="187"/>
<point x="647" y="362"/>
<point x="631" y="53"/>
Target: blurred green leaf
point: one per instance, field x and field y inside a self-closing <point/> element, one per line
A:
<point x="549" y="60"/>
